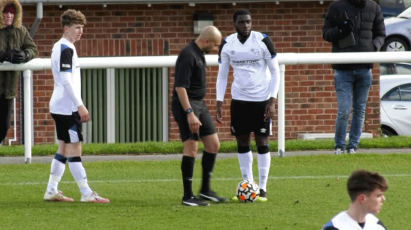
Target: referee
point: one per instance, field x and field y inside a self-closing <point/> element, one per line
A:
<point x="192" y="116"/>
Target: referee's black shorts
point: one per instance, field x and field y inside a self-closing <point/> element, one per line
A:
<point x="201" y="111"/>
<point x="248" y="117"/>
<point x="68" y="127"/>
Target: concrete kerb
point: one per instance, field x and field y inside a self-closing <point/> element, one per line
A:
<point x="165" y="157"/>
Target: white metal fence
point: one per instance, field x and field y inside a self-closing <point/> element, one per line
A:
<point x="169" y="61"/>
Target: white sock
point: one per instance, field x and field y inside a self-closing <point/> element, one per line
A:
<point x="264" y="162"/>
<point x="246" y="165"/>
<point x="56" y="172"/>
<point x="79" y="174"/>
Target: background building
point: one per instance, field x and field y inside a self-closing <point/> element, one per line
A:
<point x="163" y="29"/>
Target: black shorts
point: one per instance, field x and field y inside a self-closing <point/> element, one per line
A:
<point x="68" y="127"/>
<point x="248" y="117"/>
<point x="200" y="110"/>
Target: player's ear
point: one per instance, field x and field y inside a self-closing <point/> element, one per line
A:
<point x="361" y="198"/>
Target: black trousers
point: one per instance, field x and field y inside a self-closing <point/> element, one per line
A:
<point x="5" y="113"/>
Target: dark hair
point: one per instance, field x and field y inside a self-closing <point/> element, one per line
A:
<point x="363" y="181"/>
<point x="71" y="17"/>
<point x="240" y="12"/>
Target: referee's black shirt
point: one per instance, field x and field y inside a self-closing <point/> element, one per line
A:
<point x="190" y="72"/>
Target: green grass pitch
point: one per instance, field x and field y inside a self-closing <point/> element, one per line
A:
<point x="304" y="192"/>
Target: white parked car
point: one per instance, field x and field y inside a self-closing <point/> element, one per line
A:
<point x="395" y="94"/>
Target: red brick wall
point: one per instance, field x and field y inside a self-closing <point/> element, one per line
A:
<point x="163" y="29"/>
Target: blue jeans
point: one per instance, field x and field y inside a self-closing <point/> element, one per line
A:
<point x="351" y="86"/>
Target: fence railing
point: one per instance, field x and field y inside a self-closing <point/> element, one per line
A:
<point x="169" y="61"/>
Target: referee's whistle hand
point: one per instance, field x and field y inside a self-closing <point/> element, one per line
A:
<point x="83" y="112"/>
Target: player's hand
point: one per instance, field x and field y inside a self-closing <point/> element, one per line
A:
<point x="219" y="112"/>
<point x="83" y="112"/>
<point x="193" y="123"/>
<point x="270" y="110"/>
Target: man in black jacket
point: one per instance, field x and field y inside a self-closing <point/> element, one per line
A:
<point x="352" y="26"/>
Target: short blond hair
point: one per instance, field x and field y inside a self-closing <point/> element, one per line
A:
<point x="71" y="17"/>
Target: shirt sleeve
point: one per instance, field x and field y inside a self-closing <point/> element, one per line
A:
<point x="330" y="29"/>
<point x="222" y="56"/>
<point x="223" y="69"/>
<point x="270" y="52"/>
<point x="184" y="69"/>
<point x="274" y="68"/>
<point x="65" y="72"/>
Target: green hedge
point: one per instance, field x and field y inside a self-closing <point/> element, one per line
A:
<point x="225" y="147"/>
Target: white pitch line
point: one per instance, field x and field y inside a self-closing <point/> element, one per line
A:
<point x="174" y="180"/>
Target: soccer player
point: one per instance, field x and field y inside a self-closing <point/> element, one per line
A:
<point x="254" y="92"/>
<point x="192" y="116"/>
<point x="366" y="190"/>
<point x="68" y="111"/>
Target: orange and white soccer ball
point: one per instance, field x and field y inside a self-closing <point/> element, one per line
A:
<point x="247" y="191"/>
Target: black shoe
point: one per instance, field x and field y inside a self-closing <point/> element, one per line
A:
<point x="263" y="193"/>
<point x="212" y="196"/>
<point x="262" y="197"/>
<point x="193" y="201"/>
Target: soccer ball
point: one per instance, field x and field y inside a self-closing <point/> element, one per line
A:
<point x="247" y="191"/>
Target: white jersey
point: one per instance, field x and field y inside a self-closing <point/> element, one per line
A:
<point x="66" y="96"/>
<point x="343" y="221"/>
<point x="252" y="64"/>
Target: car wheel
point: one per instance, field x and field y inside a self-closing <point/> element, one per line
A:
<point x="395" y="44"/>
<point x="386" y="132"/>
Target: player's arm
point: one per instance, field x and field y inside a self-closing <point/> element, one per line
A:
<point x="273" y="66"/>
<point x="64" y="78"/>
<point x="221" y="84"/>
<point x="184" y="67"/>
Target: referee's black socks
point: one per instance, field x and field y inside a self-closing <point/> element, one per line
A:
<point x="208" y="164"/>
<point x="187" y="169"/>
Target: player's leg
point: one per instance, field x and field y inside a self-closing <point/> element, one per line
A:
<point x="190" y="146"/>
<point x="264" y="162"/>
<point x="211" y="145"/>
<point x="187" y="170"/>
<point x="58" y="164"/>
<point x="73" y="152"/>
<point x="261" y="131"/>
<point x="240" y="119"/>
<point x="245" y="156"/>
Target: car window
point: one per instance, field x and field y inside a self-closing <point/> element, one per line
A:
<point x="388" y="68"/>
<point x="392" y="8"/>
<point x="392" y="95"/>
<point x="403" y="68"/>
<point x="405" y="92"/>
<point x="399" y="93"/>
<point x="395" y="68"/>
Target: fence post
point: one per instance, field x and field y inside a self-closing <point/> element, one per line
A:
<point x="281" y="113"/>
<point x="165" y="103"/>
<point x="27" y="75"/>
<point x="111" y="106"/>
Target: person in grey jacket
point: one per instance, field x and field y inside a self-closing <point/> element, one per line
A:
<point x="352" y="26"/>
